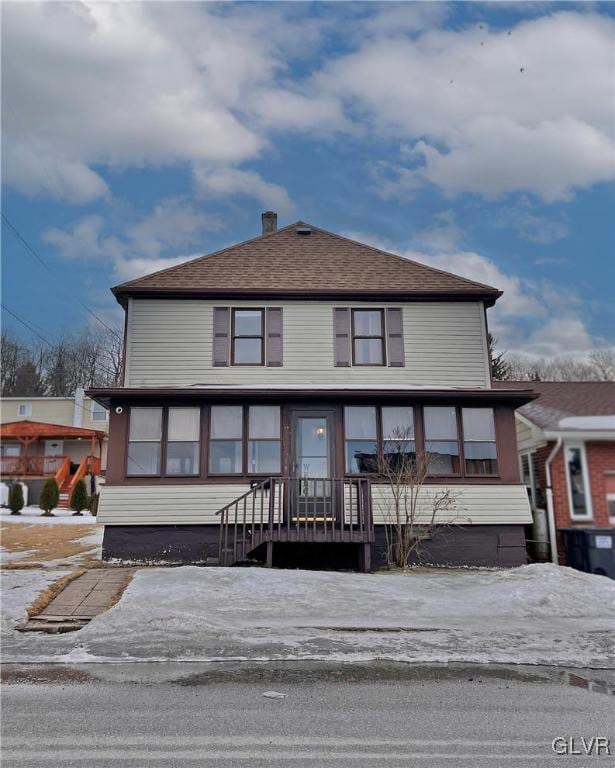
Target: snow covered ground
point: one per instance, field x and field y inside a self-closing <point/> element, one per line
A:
<point x="537" y="614"/>
<point x="33" y="515"/>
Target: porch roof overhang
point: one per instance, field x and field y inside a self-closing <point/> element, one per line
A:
<point x="314" y="392"/>
<point x="35" y="430"/>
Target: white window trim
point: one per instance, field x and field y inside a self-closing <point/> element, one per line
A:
<point x="105" y="411"/>
<point x="588" y="493"/>
<point x="610" y="497"/>
<point x="532" y="485"/>
<point x="27" y="406"/>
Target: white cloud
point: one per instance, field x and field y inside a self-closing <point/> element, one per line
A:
<point x="473" y="121"/>
<point x="226" y="182"/>
<point x="536" y="318"/>
<point x="129" y="269"/>
<point x="444" y="235"/>
<point x="83" y="240"/>
<point x="126" y="84"/>
<point x="531" y="226"/>
<point x="172" y="223"/>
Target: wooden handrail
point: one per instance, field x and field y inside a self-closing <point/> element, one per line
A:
<point x="89" y="465"/>
<point x="296" y="509"/>
<point x="63" y="472"/>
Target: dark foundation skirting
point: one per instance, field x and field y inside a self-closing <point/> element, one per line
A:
<point x="160" y="543"/>
<point x="472" y="545"/>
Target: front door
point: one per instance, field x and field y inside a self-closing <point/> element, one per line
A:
<point x="54" y="447"/>
<point x="313" y="445"/>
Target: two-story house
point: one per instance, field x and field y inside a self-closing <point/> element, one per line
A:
<point x="263" y="382"/>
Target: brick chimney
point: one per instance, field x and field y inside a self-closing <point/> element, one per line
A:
<point x="270" y="222"/>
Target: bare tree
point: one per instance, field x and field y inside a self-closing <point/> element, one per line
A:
<point x="89" y="358"/>
<point x="598" y="366"/>
<point x="20" y="368"/>
<point x="603" y="361"/>
<point x="412" y="513"/>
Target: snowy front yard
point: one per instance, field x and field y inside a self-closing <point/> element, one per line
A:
<point x="538" y="614"/>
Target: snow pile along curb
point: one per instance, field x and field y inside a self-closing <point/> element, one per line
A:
<point x="538" y="614"/>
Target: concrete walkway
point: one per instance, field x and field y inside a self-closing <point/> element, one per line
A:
<point x="85" y="597"/>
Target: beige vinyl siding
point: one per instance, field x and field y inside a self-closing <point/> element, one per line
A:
<point x="474" y="504"/>
<point x="52" y="410"/>
<point x="161" y="505"/>
<point x="87" y="423"/>
<point x="170" y="345"/>
<point x="168" y="505"/>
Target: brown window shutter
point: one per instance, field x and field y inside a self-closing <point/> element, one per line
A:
<point x="274" y="336"/>
<point x="341" y="332"/>
<point x="395" y="337"/>
<point x="222" y="316"/>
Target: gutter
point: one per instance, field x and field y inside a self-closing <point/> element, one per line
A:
<point x="550" y="512"/>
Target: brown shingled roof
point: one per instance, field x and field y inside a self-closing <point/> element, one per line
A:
<point x="286" y="262"/>
<point x="560" y="399"/>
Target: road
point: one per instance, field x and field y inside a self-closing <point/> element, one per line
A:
<point x="390" y="715"/>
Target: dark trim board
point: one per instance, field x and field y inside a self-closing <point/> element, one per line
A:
<point x="472" y="545"/>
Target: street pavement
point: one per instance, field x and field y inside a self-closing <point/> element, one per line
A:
<point x="378" y="714"/>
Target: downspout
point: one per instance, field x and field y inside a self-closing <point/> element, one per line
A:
<point x="550" y="512"/>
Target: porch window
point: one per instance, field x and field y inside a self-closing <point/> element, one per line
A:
<point x="183" y="441"/>
<point x="576" y="473"/>
<point x="225" y="440"/>
<point x="441" y="440"/>
<point x="368" y="337"/>
<point x="144" y="441"/>
<point x="248" y="333"/>
<point x="264" y="439"/>
<point x="479" y="446"/>
<point x="361" y="439"/>
<point x="398" y="435"/>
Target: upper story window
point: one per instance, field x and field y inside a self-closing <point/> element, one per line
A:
<point x="144" y="441"/>
<point x="441" y="440"/>
<point x="368" y="337"/>
<point x="248" y="337"/>
<point x="479" y="447"/>
<point x="24" y="409"/>
<point x="99" y="412"/>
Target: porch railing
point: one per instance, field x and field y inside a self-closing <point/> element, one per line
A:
<point x="31" y="466"/>
<point x="90" y="465"/>
<point x="287" y="509"/>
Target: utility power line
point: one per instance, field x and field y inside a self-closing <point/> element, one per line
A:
<point x="46" y="266"/>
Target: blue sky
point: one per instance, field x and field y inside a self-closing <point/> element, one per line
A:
<point x="477" y="137"/>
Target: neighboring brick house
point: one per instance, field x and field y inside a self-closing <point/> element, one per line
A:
<point x="266" y="383"/>
<point x="567" y="437"/>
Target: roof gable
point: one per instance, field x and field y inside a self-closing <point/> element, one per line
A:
<point x="318" y="263"/>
